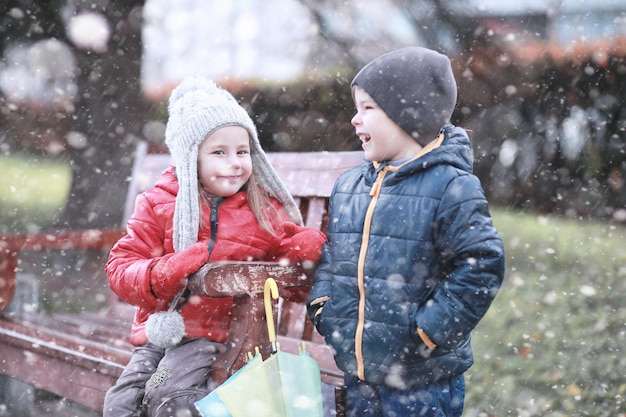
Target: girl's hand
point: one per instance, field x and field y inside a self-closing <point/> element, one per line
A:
<point x="168" y="274"/>
<point x="306" y="243"/>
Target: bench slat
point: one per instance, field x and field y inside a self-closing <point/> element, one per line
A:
<point x="11" y="245"/>
<point x="312" y="174"/>
<point x="77" y="369"/>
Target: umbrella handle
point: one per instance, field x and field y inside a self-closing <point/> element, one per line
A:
<point x="270" y="287"/>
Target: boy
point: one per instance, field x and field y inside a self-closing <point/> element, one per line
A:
<point x="413" y="260"/>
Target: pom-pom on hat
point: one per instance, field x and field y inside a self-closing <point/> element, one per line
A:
<point x="415" y="87"/>
<point x="197" y="107"/>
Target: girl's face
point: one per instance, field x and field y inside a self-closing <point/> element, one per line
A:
<point x="381" y="138"/>
<point x="224" y="163"/>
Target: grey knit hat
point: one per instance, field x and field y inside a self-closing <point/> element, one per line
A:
<point x="415" y="87"/>
<point x="197" y="107"/>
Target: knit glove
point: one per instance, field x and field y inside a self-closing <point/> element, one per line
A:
<point x="168" y="275"/>
<point x="306" y="243"/>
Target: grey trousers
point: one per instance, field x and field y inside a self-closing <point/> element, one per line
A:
<point x="163" y="382"/>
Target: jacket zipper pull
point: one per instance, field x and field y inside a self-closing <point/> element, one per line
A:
<point x="378" y="183"/>
<point x="214" y="220"/>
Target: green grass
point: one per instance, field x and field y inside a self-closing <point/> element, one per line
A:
<point x="553" y="342"/>
<point x="32" y="192"/>
<point x="551" y="345"/>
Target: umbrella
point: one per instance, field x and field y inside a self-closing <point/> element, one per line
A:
<point x="283" y="385"/>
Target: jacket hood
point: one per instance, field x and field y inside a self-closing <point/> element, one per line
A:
<point x="455" y="150"/>
<point x="168" y="182"/>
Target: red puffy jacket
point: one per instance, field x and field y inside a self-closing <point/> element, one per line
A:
<point x="239" y="237"/>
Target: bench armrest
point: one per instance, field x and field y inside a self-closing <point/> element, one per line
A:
<point x="12" y="244"/>
<point x="232" y="279"/>
<point x="244" y="281"/>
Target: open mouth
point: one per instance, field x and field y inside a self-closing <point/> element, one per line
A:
<point x="364" y="137"/>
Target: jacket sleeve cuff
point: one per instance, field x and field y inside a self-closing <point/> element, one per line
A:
<point x="315" y="308"/>
<point x="429" y="343"/>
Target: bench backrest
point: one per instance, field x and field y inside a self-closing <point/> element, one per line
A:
<point x="309" y="177"/>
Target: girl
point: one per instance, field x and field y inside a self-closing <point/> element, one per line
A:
<point x="221" y="201"/>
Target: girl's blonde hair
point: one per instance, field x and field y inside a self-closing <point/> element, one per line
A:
<point x="265" y="212"/>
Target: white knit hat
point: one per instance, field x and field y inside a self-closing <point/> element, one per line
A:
<point x="197" y="107"/>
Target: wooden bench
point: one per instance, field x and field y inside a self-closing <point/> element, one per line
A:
<point x="79" y="356"/>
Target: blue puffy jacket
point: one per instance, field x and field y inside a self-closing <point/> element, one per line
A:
<point x="412" y="264"/>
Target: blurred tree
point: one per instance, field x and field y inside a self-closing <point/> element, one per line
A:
<point x="109" y="116"/>
<point x="28" y="20"/>
<point x="108" y="112"/>
<point x="528" y="112"/>
<point x="443" y="24"/>
<point x="21" y="24"/>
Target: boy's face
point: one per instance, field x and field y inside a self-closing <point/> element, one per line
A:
<point x="224" y="163"/>
<point x="381" y="138"/>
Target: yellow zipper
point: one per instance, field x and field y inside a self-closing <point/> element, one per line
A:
<point x="358" y="339"/>
<point x="374" y="193"/>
